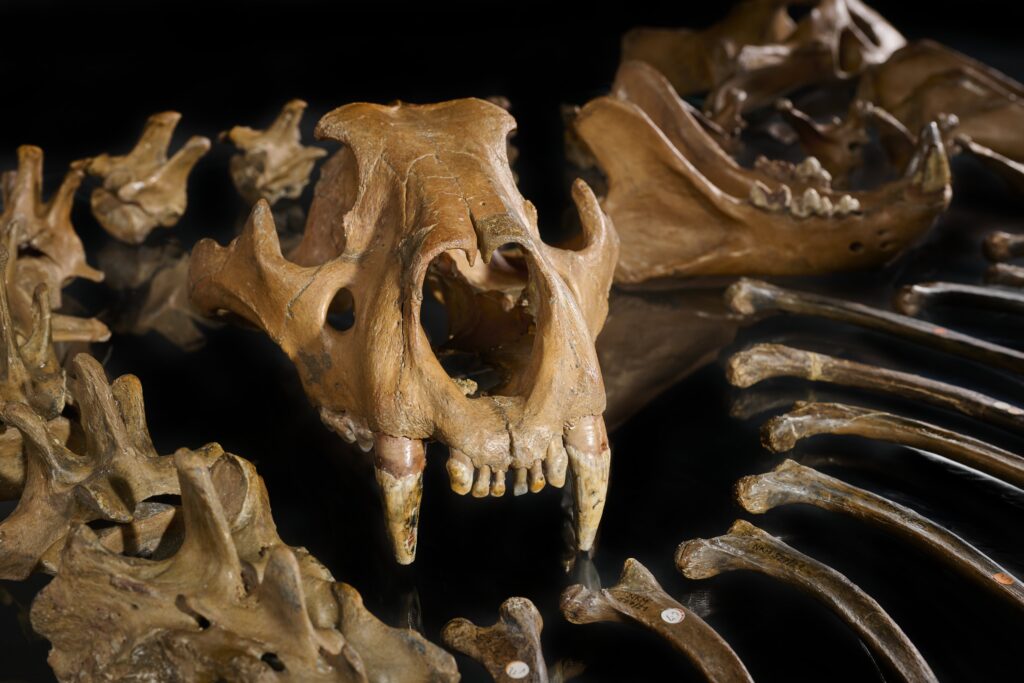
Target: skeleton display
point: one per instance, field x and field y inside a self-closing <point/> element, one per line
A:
<point x="273" y="164"/>
<point x="144" y="189"/>
<point x="683" y="207"/>
<point x="781" y="434"/>
<point x="423" y="194"/>
<point x="791" y="483"/>
<point x="638" y="597"/>
<point x="43" y="247"/>
<point x="747" y="547"/>
<point x="510" y="649"/>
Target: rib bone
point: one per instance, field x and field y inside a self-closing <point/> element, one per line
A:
<point x="638" y="597"/>
<point x="912" y="298"/>
<point x="752" y="297"/>
<point x="781" y="433"/>
<point x="794" y="483"/>
<point x="764" y="361"/>
<point x="1003" y="246"/>
<point x="510" y="649"/>
<point x="747" y="547"/>
<point x="1005" y="274"/>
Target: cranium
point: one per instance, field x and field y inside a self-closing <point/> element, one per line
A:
<point x="424" y="194"/>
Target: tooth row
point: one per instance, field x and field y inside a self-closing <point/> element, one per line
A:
<point x="485" y="480"/>
<point x="349" y="427"/>
<point x="810" y="203"/>
<point x="810" y="170"/>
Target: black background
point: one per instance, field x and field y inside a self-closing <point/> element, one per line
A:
<point x="78" y="80"/>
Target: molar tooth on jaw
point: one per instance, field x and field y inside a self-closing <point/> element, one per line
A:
<point x="762" y="197"/>
<point x="586" y="444"/>
<point x="399" y="464"/>
<point x="482" y="485"/>
<point x="460" y="471"/>
<point x="809" y="203"/>
<point x="556" y="462"/>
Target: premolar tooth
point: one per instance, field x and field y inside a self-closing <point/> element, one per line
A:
<point x="460" y="471"/>
<point x="762" y="197"/>
<point x="519" y="487"/>
<point x="498" y="484"/>
<point x="759" y="195"/>
<point x="482" y="485"/>
<point x="826" y="207"/>
<point x="811" y="169"/>
<point x="556" y="463"/>
<point x="399" y="464"/>
<point x="847" y="205"/>
<point x="586" y="443"/>
<point x="537" y="480"/>
<point x="808" y="203"/>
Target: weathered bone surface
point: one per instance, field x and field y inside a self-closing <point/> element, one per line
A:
<point x="638" y="597"/>
<point x="924" y="80"/>
<point x="1003" y="246"/>
<point x="781" y="434"/>
<point x="912" y="298"/>
<point x="683" y="207"/>
<point x="510" y="650"/>
<point x="274" y="164"/>
<point x="1005" y="274"/>
<point x="758" y="49"/>
<point x="747" y="547"/>
<point x="53" y="256"/>
<point x="791" y="483"/>
<point x="763" y="361"/>
<point x="144" y="189"/>
<point x="424" y="195"/>
<point x="753" y="297"/>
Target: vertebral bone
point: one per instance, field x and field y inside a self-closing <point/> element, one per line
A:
<point x="510" y="649"/>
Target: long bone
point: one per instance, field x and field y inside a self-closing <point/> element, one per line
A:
<point x="510" y="649"/>
<point x="747" y="547"/>
<point x="638" y="597"/>
<point x="781" y="434"/>
<point x="1005" y="274"/>
<point x="791" y="483"/>
<point x="1003" y="246"/>
<point x="912" y="298"/>
<point x="753" y="297"/>
<point x="764" y="361"/>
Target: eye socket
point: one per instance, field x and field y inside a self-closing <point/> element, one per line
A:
<point x="341" y="314"/>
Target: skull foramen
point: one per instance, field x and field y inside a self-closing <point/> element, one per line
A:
<point x="423" y="194"/>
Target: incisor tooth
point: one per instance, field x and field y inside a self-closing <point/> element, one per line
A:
<point x="519" y="487"/>
<point x="537" y="480"/>
<point x="399" y="464"/>
<point x="482" y="485"/>
<point x="586" y="443"/>
<point x="498" y="483"/>
<point x="556" y="463"/>
<point x="460" y="471"/>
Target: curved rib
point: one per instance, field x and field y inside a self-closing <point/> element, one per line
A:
<point x="912" y="298"/>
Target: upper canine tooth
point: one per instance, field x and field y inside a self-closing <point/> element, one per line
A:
<point x="555" y="463"/>
<point x="399" y="464"/>
<point x="586" y="443"/>
<point x="460" y="471"/>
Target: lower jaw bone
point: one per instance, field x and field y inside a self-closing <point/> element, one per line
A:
<point x="791" y="483"/>
<point x="638" y="597"/>
<point x="747" y="547"/>
<point x="764" y="361"/>
<point x="510" y="649"/>
<point x="399" y="463"/>
<point x="586" y="444"/>
<point x="782" y="432"/>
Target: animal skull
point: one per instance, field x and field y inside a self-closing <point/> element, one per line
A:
<point x="423" y="194"/>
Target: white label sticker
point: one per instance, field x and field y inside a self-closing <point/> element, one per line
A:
<point x="672" y="615"/>
<point x="517" y="669"/>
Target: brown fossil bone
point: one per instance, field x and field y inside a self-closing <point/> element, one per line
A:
<point x="1003" y="246"/>
<point x="781" y="433"/>
<point x="145" y="189"/>
<point x="791" y="483"/>
<point x="747" y="547"/>
<point x="925" y="79"/>
<point x="510" y="649"/>
<point x="760" y="50"/>
<point x="1012" y="172"/>
<point x="423" y="194"/>
<point x="273" y="164"/>
<point x="1005" y="274"/>
<point x="638" y="597"/>
<point x="756" y="298"/>
<point x="912" y="298"/>
<point x="764" y="361"/>
<point x="683" y="207"/>
<point x="53" y="253"/>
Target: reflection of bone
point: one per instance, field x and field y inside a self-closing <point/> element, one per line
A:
<point x="781" y="433"/>
<point x="1003" y="246"/>
<point x="760" y="50"/>
<point x="274" y="164"/>
<point x="763" y="361"/>
<point x="683" y="207"/>
<point x="747" y="547"/>
<point x="638" y="597"/>
<point x="421" y="197"/>
<point x="144" y="189"/>
<point x="510" y="649"/>
<point x="792" y="483"/>
<point x="753" y="297"/>
<point x="912" y="298"/>
<point x="1005" y="274"/>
